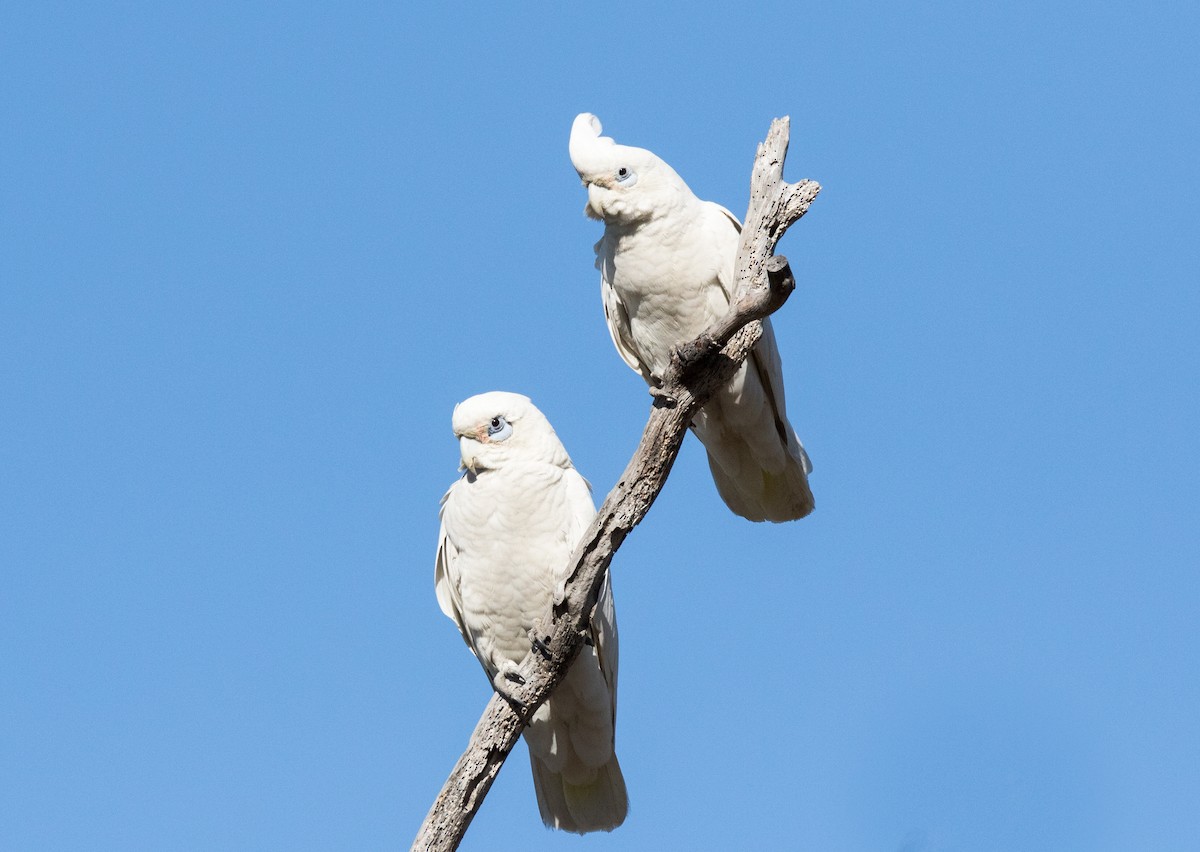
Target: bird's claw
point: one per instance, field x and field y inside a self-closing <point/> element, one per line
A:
<point x="688" y="355"/>
<point x="661" y="395"/>
<point x="542" y="646"/>
<point x="507" y="682"/>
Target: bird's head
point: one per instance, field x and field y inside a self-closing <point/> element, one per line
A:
<point x="625" y="185"/>
<point x="498" y="428"/>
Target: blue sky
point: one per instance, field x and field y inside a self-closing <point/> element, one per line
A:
<point x="251" y="256"/>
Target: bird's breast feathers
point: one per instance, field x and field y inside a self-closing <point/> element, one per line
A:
<point x="668" y="277"/>
<point x="513" y="531"/>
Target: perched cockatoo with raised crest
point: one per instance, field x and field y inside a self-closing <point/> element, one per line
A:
<point x="509" y="527"/>
<point x="666" y="264"/>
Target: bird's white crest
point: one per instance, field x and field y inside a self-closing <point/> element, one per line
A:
<point x="589" y="150"/>
<point x="625" y="185"/>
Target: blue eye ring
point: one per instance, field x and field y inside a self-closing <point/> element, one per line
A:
<point x="626" y="176"/>
<point x="498" y="428"/>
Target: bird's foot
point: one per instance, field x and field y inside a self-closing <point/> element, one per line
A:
<point x="508" y="682"/>
<point x="689" y="355"/>
<point x="660" y="394"/>
<point x="542" y="646"/>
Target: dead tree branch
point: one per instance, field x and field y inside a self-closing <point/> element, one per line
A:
<point x="698" y="369"/>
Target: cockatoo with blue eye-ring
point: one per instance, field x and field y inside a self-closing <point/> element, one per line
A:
<point x="509" y="527"/>
<point x="666" y="264"/>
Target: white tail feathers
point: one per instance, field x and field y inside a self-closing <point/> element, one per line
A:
<point x="760" y="495"/>
<point x="757" y="461"/>
<point x="575" y="771"/>
<point x="597" y="804"/>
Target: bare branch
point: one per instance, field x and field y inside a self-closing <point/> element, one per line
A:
<point x="697" y="370"/>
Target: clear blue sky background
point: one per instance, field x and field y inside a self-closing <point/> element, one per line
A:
<point x="251" y="255"/>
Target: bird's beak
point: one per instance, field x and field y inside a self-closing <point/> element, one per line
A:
<point x="467" y="452"/>
<point x="593" y="210"/>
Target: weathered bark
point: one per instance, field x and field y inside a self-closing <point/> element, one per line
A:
<point x="698" y="369"/>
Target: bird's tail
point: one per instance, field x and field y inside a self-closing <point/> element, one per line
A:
<point x="759" y="494"/>
<point x="597" y="801"/>
<point x="757" y="461"/>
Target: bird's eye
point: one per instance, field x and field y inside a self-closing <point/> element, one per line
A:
<point x="498" y="429"/>
<point x="626" y="177"/>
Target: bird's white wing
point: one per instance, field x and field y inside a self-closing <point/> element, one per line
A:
<point x="764" y="360"/>
<point x="580" y="510"/>
<point x="718" y="219"/>
<point x="614" y="310"/>
<point x="604" y="620"/>
<point x="446" y="579"/>
<point x="604" y="635"/>
<point x="758" y="463"/>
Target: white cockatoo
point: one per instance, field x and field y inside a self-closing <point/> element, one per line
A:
<point x="509" y="527"/>
<point x="666" y="264"/>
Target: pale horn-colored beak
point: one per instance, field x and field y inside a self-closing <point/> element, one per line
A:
<point x="467" y="454"/>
